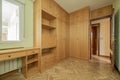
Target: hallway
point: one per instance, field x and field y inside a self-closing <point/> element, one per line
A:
<point x="72" y="69"/>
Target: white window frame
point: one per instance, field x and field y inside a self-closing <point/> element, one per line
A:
<point x="21" y="19"/>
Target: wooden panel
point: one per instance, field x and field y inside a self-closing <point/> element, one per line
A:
<point x="45" y="5"/>
<point x="53" y="7"/>
<point x="43" y="63"/>
<point x="48" y="60"/>
<point x="48" y="21"/>
<point x="63" y="33"/>
<point x="63" y="29"/>
<point x="79" y="34"/>
<point x="47" y="15"/>
<point x="102" y="12"/>
<point x="37" y="23"/>
<point x="31" y="52"/>
<point x="49" y="6"/>
<point x="48" y="38"/>
<point x="62" y="39"/>
<point x="12" y="56"/>
<point x="32" y="69"/>
<point x="38" y="28"/>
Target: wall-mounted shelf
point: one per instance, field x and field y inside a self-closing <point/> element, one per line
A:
<point x="48" y="58"/>
<point x="32" y="61"/>
<point x="45" y="26"/>
<point x="48" y="51"/>
<point x="32" y="68"/>
<point x="49" y="41"/>
<point x="32" y="58"/>
<point x="47" y="15"/>
<point x="49" y="47"/>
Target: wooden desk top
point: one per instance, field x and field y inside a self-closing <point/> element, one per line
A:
<point x="16" y="50"/>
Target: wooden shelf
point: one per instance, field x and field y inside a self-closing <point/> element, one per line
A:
<point x="32" y="71"/>
<point x="32" y="58"/>
<point x="48" y="59"/>
<point x="49" y="47"/>
<point x="32" y="61"/>
<point x="49" y="39"/>
<point x="32" y="68"/>
<point x="48" y="51"/>
<point x="47" y="15"/>
<point x="47" y="26"/>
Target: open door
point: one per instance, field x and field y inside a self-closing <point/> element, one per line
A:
<point x="95" y="39"/>
<point x="115" y="40"/>
<point x="112" y="43"/>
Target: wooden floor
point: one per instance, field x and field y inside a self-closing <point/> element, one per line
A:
<point x="72" y="69"/>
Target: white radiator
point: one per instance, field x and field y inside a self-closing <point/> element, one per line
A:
<point x="10" y="65"/>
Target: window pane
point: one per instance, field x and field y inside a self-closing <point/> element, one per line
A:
<point x="10" y="21"/>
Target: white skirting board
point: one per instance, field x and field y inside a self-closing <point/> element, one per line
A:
<point x="7" y="66"/>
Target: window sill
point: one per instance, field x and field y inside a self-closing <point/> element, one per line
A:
<point x="11" y="48"/>
<point x="9" y="42"/>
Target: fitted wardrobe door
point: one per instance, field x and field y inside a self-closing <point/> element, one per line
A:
<point x="81" y="40"/>
<point x="79" y="34"/>
<point x="86" y="38"/>
<point x="74" y="37"/>
<point x="62" y="39"/>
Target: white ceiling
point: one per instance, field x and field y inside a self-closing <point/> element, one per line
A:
<point x="73" y="5"/>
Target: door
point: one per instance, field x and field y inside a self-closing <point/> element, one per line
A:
<point x="116" y="41"/>
<point x="95" y="39"/>
<point x="79" y="34"/>
<point x="62" y="28"/>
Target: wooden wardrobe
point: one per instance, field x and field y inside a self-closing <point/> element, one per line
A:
<point x="79" y="34"/>
<point x="51" y="32"/>
<point x="59" y="34"/>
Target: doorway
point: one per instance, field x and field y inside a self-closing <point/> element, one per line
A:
<point x="100" y="41"/>
<point x="95" y="42"/>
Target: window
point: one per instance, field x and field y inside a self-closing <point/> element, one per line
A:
<point x="11" y="20"/>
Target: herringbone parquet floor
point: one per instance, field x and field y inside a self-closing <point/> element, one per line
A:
<point x="72" y="69"/>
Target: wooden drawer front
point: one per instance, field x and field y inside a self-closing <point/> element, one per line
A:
<point x="12" y="56"/>
<point x="31" y="52"/>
